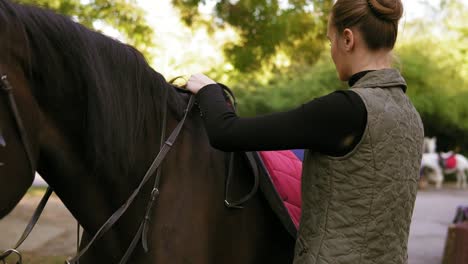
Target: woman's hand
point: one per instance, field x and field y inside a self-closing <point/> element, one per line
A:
<point x="198" y="81"/>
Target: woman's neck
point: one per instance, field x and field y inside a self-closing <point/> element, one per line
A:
<point x="367" y="61"/>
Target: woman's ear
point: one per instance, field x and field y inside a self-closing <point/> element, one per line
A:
<point x="348" y="39"/>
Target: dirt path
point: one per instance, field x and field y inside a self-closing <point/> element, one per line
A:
<point x="55" y="234"/>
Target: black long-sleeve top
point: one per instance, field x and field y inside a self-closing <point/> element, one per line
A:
<point x="332" y="124"/>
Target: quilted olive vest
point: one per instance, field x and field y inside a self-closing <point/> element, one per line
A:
<point x="357" y="208"/>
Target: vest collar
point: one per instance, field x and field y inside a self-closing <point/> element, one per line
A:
<point x="386" y="78"/>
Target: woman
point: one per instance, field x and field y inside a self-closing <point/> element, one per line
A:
<point x="364" y="145"/>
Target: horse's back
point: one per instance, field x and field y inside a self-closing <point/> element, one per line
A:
<point x="462" y="160"/>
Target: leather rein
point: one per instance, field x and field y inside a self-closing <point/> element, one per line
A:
<point x="142" y="232"/>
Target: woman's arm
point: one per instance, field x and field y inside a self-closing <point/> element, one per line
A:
<point x="332" y="124"/>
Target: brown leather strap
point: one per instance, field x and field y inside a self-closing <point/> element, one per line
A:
<point x="31" y="224"/>
<point x="156" y="163"/>
<point x="250" y="158"/>
<point x="15" y="252"/>
<point x="155" y="191"/>
<point x="143" y="229"/>
<point x="253" y="165"/>
<point x="6" y="87"/>
<point x="133" y="244"/>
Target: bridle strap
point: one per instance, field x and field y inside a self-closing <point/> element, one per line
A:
<point x="30" y="226"/>
<point x="35" y="217"/>
<point x="12" y="251"/>
<point x="155" y="191"/>
<point x="144" y="226"/>
<point x="155" y="165"/>
<point x="6" y="87"/>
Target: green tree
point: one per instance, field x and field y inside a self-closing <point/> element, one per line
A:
<point x="294" y="27"/>
<point x="456" y="15"/>
<point x="122" y="15"/>
<point x="432" y="57"/>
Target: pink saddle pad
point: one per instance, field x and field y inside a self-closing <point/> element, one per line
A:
<point x="451" y="162"/>
<point x="285" y="170"/>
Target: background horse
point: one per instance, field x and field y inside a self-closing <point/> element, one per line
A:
<point x="431" y="165"/>
<point x="92" y="112"/>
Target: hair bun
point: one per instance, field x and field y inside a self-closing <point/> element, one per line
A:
<point x="390" y="10"/>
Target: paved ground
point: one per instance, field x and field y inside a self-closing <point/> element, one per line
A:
<point x="55" y="233"/>
<point x="433" y="213"/>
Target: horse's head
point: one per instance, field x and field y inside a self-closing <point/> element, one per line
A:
<point x="88" y="103"/>
<point x="430" y="145"/>
<point x="19" y="114"/>
<point x="19" y="138"/>
<point x="18" y="146"/>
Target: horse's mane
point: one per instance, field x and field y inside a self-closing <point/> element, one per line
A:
<point x="111" y="81"/>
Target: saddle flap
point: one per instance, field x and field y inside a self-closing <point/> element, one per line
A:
<point x="280" y="182"/>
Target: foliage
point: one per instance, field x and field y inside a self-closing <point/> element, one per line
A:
<point x="456" y="15"/>
<point x="266" y="27"/>
<point x="433" y="55"/>
<point x="122" y="15"/>
<point x="436" y="86"/>
<point x="434" y="61"/>
<point x="439" y="91"/>
<point x="287" y="89"/>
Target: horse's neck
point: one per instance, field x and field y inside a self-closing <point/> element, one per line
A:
<point x="429" y="145"/>
<point x="446" y="155"/>
<point x="62" y="166"/>
<point x="89" y="195"/>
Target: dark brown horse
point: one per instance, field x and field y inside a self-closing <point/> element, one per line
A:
<point x="92" y="112"/>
